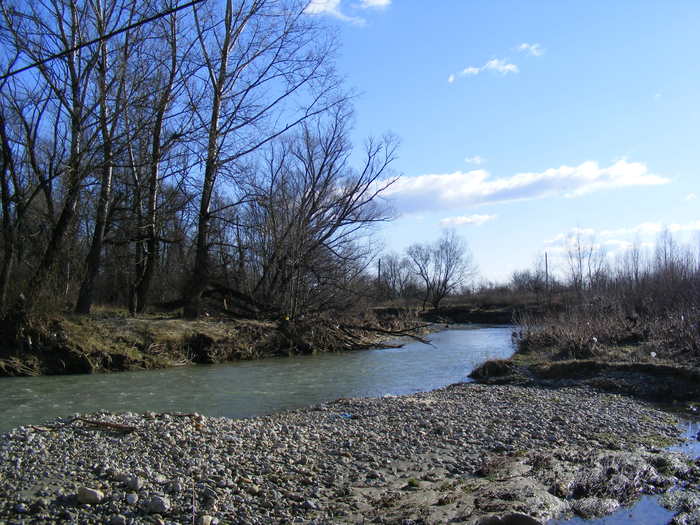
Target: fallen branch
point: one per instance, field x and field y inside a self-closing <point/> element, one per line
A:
<point x="105" y="424"/>
<point x="394" y="333"/>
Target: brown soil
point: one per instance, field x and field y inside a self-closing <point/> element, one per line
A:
<point x="107" y="341"/>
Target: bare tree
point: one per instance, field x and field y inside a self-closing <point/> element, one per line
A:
<point x="35" y="31"/>
<point x="310" y="212"/>
<point x="262" y="61"/>
<point x="166" y="125"/>
<point x="442" y="266"/>
<point x="396" y="276"/>
<point x="111" y="88"/>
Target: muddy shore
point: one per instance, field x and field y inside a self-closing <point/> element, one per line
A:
<point x="466" y="453"/>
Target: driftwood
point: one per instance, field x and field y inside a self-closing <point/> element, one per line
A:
<point x="99" y="424"/>
<point x="407" y="332"/>
<point x="105" y="424"/>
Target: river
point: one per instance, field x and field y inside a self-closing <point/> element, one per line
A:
<point x="252" y="388"/>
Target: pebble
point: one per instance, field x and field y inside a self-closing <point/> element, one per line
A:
<point x="314" y="466"/>
<point x="158" y="505"/>
<point x="90" y="496"/>
<point x="118" y="519"/>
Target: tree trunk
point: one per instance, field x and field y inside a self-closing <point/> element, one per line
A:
<point x="8" y="232"/>
<point x="41" y="274"/>
<point x="200" y="272"/>
<point x="94" y="257"/>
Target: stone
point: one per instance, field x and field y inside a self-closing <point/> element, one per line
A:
<point x="133" y="482"/>
<point x="158" y="505"/>
<point x="90" y="496"/>
<point x="207" y="520"/>
<point x="593" y="507"/>
<point x="118" y="519"/>
<point x="132" y="498"/>
<point x="310" y="504"/>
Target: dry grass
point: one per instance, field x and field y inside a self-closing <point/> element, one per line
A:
<point x="603" y="330"/>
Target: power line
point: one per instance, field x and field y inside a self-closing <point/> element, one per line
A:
<point x="101" y="38"/>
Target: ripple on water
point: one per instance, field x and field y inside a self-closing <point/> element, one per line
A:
<point x="253" y="388"/>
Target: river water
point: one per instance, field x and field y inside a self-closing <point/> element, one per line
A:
<point x="253" y="388"/>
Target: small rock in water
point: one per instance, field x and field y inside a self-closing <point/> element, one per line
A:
<point x="158" y="505"/>
<point x="90" y="496"/>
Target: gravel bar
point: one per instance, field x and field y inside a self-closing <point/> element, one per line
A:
<point x="466" y="453"/>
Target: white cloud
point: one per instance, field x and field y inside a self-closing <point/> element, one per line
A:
<point x="563" y="241"/>
<point x="653" y="228"/>
<point x="535" y="50"/>
<point x="567" y="239"/>
<point x="618" y="245"/>
<point x="498" y="65"/>
<point x="501" y="66"/>
<point x="691" y="197"/>
<point x="331" y="8"/>
<point x="375" y="4"/>
<point x="645" y="228"/>
<point x="476" y="159"/>
<point x="453" y="190"/>
<point x="467" y="219"/>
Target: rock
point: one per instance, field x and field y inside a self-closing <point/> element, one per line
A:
<point x="21" y="508"/>
<point x="118" y="519"/>
<point x="207" y="520"/>
<point x="310" y="504"/>
<point x="685" y="518"/>
<point x="90" y="496"/>
<point x="593" y="507"/>
<point x="158" y="505"/>
<point x="40" y="505"/>
<point x="132" y="498"/>
<point x="133" y="483"/>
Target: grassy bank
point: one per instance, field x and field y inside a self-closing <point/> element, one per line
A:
<point x="112" y="341"/>
<point x="656" y="356"/>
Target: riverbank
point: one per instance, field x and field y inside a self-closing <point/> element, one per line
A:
<point x="113" y="341"/>
<point x="110" y="341"/>
<point x="461" y="453"/>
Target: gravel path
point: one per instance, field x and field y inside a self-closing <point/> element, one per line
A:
<point x="456" y="454"/>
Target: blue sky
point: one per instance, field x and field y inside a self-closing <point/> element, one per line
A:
<point x="521" y="121"/>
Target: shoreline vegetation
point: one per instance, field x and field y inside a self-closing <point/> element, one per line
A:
<point x="110" y="341"/>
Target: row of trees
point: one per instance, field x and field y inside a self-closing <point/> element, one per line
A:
<point x="204" y="151"/>
<point x="662" y="276"/>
